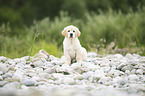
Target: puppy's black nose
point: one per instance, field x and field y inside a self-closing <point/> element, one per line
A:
<point x="71" y="35"/>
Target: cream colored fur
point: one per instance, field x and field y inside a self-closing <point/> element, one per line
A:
<point x="71" y="45"/>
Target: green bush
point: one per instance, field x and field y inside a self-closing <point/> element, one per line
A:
<point x="123" y="29"/>
<point x="10" y="15"/>
<point x="76" y="8"/>
<point x="14" y="47"/>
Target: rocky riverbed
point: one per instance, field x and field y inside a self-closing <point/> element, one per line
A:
<point x="46" y="75"/>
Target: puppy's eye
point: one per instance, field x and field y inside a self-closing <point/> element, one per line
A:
<point x="73" y="30"/>
<point x="68" y="30"/>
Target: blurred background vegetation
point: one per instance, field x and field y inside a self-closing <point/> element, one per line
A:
<point x="107" y="26"/>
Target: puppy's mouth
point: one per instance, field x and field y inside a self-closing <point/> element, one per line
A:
<point x="71" y="36"/>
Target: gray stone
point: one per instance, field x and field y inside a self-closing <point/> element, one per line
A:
<point x="93" y="67"/>
<point x="7" y="75"/>
<point x="129" y="56"/>
<point x="38" y="63"/>
<point x="51" y="57"/>
<point x="139" y="71"/>
<point x="2" y="58"/>
<point x="46" y="76"/>
<point x="41" y="55"/>
<point x="133" y="77"/>
<point x="127" y="72"/>
<point x="115" y="73"/>
<point x="1" y="78"/>
<point x="18" y="74"/>
<point x="3" y="68"/>
<point x="29" y="82"/>
<point x="92" y="54"/>
<point x="95" y="78"/>
<point x="120" y="66"/>
<point x="48" y="64"/>
<point x="2" y="83"/>
<point x="8" y="92"/>
<point x="13" y="79"/>
<point x="12" y="85"/>
<point x="119" y="80"/>
<point x="128" y="67"/>
<point x="57" y="62"/>
<point x="64" y="70"/>
<point x="1" y="72"/>
<point x="113" y="64"/>
<point x="112" y="75"/>
<point x="133" y="71"/>
<point x="136" y="87"/>
<point x="11" y="67"/>
<point x="40" y="83"/>
<point x="100" y="72"/>
<point x="32" y="74"/>
<point x="119" y="56"/>
<point x="106" y="69"/>
<point x="50" y="70"/>
<point x="88" y="74"/>
<point x="24" y="87"/>
<point x="136" y="55"/>
<point x="78" y="77"/>
<point x="105" y="63"/>
<point x="103" y="80"/>
<point x="68" y="80"/>
<point x="11" y="62"/>
<point x="19" y="60"/>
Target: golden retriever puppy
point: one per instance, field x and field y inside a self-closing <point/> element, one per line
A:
<point x="71" y="45"/>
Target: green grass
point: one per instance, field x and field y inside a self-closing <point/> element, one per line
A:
<point x="36" y="34"/>
<point x="126" y="30"/>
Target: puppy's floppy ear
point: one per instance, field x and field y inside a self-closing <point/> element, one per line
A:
<point x="78" y="33"/>
<point x="64" y="32"/>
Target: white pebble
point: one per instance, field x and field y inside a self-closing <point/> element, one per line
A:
<point x="12" y="85"/>
<point x="3" y="68"/>
<point x="29" y="82"/>
<point x="3" y="58"/>
<point x="88" y="74"/>
<point x="129" y="56"/>
<point x="133" y="77"/>
<point x="68" y="80"/>
<point x="139" y="71"/>
<point x="99" y="72"/>
<point x="119" y="56"/>
<point x="92" y="54"/>
<point x="119" y="80"/>
<point x="38" y="63"/>
<point x="1" y="72"/>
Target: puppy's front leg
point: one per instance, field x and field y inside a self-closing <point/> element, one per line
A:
<point x="68" y="59"/>
<point x="79" y="58"/>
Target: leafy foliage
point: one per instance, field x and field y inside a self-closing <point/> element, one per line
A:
<point x="123" y="29"/>
<point x="25" y="11"/>
<point x="115" y="26"/>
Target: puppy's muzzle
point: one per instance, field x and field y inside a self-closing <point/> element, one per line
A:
<point x="71" y="35"/>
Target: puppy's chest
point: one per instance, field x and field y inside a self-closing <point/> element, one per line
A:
<point x="71" y="48"/>
<point x="72" y="51"/>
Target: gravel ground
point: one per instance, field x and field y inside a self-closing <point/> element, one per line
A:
<point x="46" y="75"/>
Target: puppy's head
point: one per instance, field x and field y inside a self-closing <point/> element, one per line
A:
<point x="71" y="32"/>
